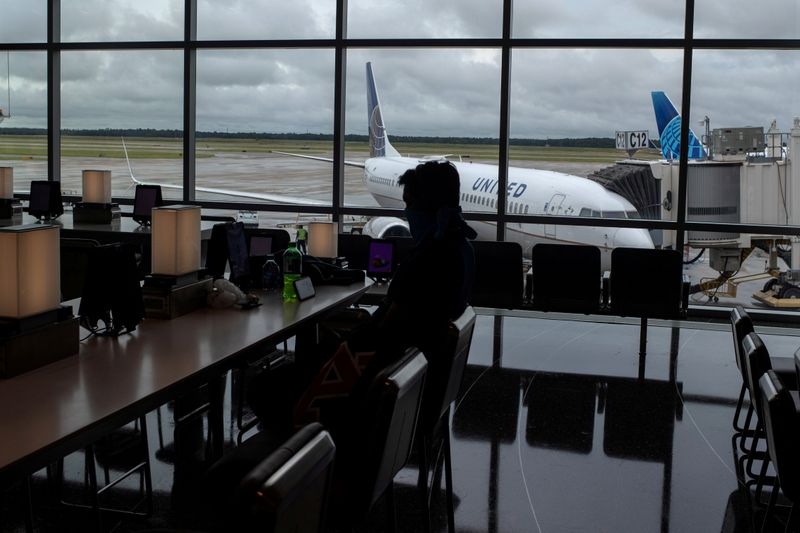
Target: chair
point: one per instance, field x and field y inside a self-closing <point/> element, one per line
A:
<point x="782" y="429"/>
<point x="648" y="283"/>
<point x="566" y="278"/>
<point x="757" y="362"/>
<point x="498" y="275"/>
<point x="382" y="439"/>
<point x="288" y="490"/>
<point x="443" y="381"/>
<point x="741" y="325"/>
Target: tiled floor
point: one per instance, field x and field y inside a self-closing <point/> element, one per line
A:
<point x="561" y="427"/>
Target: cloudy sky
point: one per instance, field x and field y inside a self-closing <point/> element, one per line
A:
<point x="555" y="92"/>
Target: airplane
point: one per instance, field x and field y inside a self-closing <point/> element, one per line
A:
<point x="668" y="121"/>
<point x="528" y="192"/>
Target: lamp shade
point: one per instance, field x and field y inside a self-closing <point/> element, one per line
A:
<point x="30" y="279"/>
<point x="175" y="240"/>
<point x="323" y="239"/>
<point x="96" y="186"/>
<point x="6" y="182"/>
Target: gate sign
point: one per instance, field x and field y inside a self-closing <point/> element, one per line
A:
<point x="632" y="140"/>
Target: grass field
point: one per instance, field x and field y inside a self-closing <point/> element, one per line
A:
<point x="21" y="147"/>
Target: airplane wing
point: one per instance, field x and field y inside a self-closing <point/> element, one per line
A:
<point x="272" y="198"/>
<point x="320" y="158"/>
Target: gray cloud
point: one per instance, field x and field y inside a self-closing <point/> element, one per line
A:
<point x="555" y="92"/>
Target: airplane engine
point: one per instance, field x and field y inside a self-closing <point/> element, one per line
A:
<point x="383" y="227"/>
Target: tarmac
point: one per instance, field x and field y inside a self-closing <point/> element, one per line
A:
<point x="285" y="175"/>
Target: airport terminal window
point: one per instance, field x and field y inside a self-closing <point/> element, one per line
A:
<point x="122" y="20"/>
<point x="24" y="149"/>
<point x="621" y="19"/>
<point x="441" y="19"/>
<point x="122" y="90"/>
<point x="427" y="110"/>
<point x="266" y="19"/>
<point x="23" y="21"/>
<point x="247" y="103"/>
<point x="736" y="19"/>
<point x="565" y="107"/>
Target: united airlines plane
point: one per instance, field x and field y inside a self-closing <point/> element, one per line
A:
<point x="528" y="192"/>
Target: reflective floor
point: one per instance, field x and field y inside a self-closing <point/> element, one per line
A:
<point x="561" y="427"/>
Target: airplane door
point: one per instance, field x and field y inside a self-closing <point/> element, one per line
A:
<point x="553" y="207"/>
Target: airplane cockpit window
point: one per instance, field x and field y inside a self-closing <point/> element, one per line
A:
<point x="613" y="214"/>
<point x="632" y="214"/>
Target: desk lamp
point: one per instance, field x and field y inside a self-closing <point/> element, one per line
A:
<point x="323" y="239"/>
<point x="34" y="328"/>
<point x="176" y="285"/>
<point x="9" y="207"/>
<point x="95" y="206"/>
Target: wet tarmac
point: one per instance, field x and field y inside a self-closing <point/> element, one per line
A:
<point x="302" y="178"/>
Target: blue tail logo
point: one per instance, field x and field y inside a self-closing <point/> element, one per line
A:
<point x="669" y="130"/>
<point x="379" y="145"/>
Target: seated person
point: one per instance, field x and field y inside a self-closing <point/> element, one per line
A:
<point x="429" y="290"/>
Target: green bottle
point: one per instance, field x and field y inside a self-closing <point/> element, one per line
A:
<point x="292" y="270"/>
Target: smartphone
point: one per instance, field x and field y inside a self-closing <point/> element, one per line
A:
<point x="304" y="288"/>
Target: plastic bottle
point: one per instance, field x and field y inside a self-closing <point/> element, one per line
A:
<point x="292" y="270"/>
<point x="270" y="274"/>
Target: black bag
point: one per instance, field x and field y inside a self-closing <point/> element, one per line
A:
<point x="323" y="273"/>
<point x="112" y="293"/>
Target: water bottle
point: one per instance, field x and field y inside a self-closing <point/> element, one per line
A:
<point x="292" y="270"/>
<point x="270" y="274"/>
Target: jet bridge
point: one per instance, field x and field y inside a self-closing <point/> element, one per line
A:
<point x="750" y="188"/>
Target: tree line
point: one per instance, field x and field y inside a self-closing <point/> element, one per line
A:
<point x="582" y="142"/>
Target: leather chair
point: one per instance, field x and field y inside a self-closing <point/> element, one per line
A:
<point x="286" y="491"/>
<point x="289" y="490"/>
<point x="499" y="278"/>
<point x="782" y="428"/>
<point x="566" y="278"/>
<point x="381" y="441"/>
<point x="442" y="384"/>
<point x="648" y="283"/>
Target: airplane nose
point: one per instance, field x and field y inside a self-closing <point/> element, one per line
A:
<point x="632" y="238"/>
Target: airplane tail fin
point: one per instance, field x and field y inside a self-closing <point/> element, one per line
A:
<point x="669" y="129"/>
<point x="379" y="145"/>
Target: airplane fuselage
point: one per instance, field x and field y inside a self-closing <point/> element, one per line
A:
<point x="528" y="192"/>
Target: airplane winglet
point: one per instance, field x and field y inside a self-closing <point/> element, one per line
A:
<point x="127" y="160"/>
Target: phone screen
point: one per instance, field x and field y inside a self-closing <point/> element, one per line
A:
<point x="380" y="260"/>
<point x="304" y="288"/>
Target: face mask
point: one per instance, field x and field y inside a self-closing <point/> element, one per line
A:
<point x="420" y="223"/>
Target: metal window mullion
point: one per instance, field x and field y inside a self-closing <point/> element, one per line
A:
<point x="189" y="99"/>
<point x="505" y="97"/>
<point x="686" y="101"/>
<point x="339" y="101"/>
<point x="53" y="90"/>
